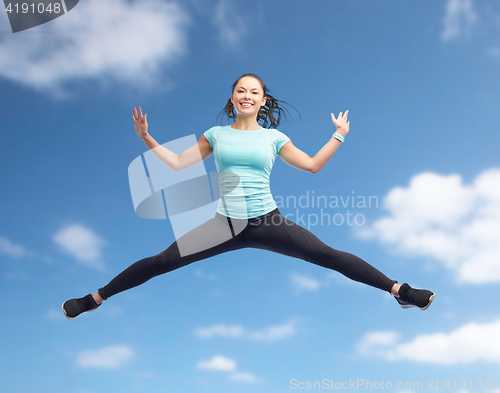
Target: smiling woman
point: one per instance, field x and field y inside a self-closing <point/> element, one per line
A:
<point x="247" y="92"/>
<point x="247" y="215"/>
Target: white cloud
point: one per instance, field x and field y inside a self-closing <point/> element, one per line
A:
<point x="376" y="343"/>
<point x="439" y="217"/>
<point x="269" y="334"/>
<point x="304" y="283"/>
<point x="109" y="357"/>
<point x="55" y="315"/>
<point x="231" y="25"/>
<point x="221" y="363"/>
<point x="469" y="343"/>
<point x="82" y="243"/>
<point x="218" y="363"/>
<point x="243" y="377"/>
<point x="11" y="249"/>
<point x="222" y="330"/>
<point x="274" y="333"/>
<point x="458" y="20"/>
<point x="119" y="39"/>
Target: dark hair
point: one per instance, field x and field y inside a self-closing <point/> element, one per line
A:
<point x="271" y="112"/>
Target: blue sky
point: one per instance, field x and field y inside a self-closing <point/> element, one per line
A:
<point x="420" y="81"/>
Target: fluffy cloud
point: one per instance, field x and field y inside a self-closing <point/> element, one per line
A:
<point x="269" y="334"/>
<point x="274" y="333"/>
<point x="218" y="363"/>
<point x="82" y="243"/>
<point x="55" y="315"/>
<point x="113" y="357"/>
<point x="438" y="216"/>
<point x="304" y="283"/>
<point x="221" y="363"/>
<point x="11" y="249"/>
<point x="221" y="330"/>
<point x="230" y="23"/>
<point x="458" y="20"/>
<point x="469" y="343"/>
<point x="127" y="41"/>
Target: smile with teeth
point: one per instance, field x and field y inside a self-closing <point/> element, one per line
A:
<point x="246" y="104"/>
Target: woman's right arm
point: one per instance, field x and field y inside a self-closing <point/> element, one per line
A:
<point x="189" y="157"/>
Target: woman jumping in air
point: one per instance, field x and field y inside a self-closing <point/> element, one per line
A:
<point x="247" y="215"/>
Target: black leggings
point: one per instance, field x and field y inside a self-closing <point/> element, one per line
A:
<point x="271" y="232"/>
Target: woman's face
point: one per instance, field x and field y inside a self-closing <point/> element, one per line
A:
<point x="248" y="97"/>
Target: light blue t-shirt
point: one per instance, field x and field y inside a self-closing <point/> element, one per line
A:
<point x="244" y="160"/>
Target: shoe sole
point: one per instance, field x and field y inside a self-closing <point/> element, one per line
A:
<point x="420" y="308"/>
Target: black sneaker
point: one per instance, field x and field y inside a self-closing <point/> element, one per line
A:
<point x="410" y="297"/>
<point x="74" y="307"/>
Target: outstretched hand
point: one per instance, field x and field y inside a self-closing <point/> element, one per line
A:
<point x="141" y="123"/>
<point x="341" y="123"/>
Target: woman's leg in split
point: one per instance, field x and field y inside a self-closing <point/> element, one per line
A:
<point x="283" y="236"/>
<point x="211" y="238"/>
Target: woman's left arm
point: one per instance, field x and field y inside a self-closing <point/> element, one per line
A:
<point x="300" y="160"/>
